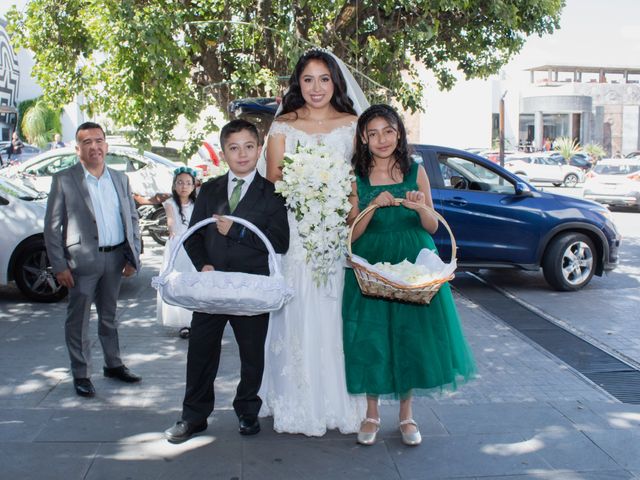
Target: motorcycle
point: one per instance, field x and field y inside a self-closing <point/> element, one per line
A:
<point x="152" y="217"/>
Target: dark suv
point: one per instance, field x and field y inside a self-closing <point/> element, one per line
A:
<point x="580" y="160"/>
<point x="499" y="220"/>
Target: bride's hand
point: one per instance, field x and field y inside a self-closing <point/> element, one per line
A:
<point x="385" y="199"/>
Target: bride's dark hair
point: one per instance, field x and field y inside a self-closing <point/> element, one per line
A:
<point x="293" y="99"/>
<point x="362" y="160"/>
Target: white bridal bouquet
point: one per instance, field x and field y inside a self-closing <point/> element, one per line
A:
<point x="316" y="184"/>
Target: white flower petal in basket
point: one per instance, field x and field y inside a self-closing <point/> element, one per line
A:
<point x="233" y="293"/>
<point x="434" y="264"/>
<point x="403" y="281"/>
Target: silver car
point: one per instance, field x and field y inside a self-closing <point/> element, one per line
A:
<point x="148" y="173"/>
<point x="23" y="257"/>
<point x="543" y="168"/>
<point x="615" y="181"/>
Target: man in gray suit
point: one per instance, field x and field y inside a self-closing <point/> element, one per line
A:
<point x="93" y="240"/>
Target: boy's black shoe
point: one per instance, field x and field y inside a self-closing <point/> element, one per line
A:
<point x="249" y="425"/>
<point x="183" y="431"/>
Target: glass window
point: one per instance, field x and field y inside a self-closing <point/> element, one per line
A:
<point x="616" y="169"/>
<point x="117" y="162"/>
<point x="548" y="161"/>
<point x="123" y="163"/>
<point x="53" y="165"/>
<point x="465" y="174"/>
<point x="526" y="128"/>
<point x="556" y="125"/>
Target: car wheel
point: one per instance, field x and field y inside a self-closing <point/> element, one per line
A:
<point x="569" y="262"/>
<point x="34" y="276"/>
<point x="158" y="228"/>
<point x="571" y="180"/>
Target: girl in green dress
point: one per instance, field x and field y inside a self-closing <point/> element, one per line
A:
<point x="394" y="348"/>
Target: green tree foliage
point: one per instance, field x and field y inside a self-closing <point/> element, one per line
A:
<point x="145" y="63"/>
<point x="40" y="123"/>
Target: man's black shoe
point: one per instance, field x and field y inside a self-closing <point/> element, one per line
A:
<point x="183" y="431"/>
<point x="84" y="387"/>
<point x="122" y="373"/>
<point x="249" y="425"/>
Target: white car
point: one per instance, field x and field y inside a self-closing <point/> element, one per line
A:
<point x="23" y="257"/>
<point x="540" y="168"/>
<point x="148" y="173"/>
<point x="615" y="181"/>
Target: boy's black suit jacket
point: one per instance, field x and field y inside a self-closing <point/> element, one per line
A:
<point x="240" y="250"/>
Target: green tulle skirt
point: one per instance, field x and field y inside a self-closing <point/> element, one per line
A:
<point x="394" y="348"/>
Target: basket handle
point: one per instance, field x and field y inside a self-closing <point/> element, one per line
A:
<point x="207" y="221"/>
<point x="398" y="202"/>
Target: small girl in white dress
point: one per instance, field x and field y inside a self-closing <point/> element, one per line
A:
<point x="179" y="209"/>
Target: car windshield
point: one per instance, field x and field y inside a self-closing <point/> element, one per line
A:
<point x="551" y="161"/>
<point x="161" y="159"/>
<point x="616" y="168"/>
<point x="19" y="190"/>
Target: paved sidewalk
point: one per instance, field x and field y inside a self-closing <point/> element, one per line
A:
<point x="526" y="416"/>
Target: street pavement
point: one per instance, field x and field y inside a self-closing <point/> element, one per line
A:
<point x="605" y="312"/>
<point x="527" y="415"/>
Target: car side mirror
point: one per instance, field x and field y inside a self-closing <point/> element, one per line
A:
<point x="458" y="182"/>
<point x="523" y="189"/>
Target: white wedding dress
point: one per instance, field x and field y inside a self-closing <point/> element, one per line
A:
<point x="304" y="385"/>
<point x="170" y="315"/>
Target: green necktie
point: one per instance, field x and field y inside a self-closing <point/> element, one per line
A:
<point x="235" y="194"/>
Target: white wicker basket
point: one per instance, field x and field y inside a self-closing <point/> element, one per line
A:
<point x="233" y="293"/>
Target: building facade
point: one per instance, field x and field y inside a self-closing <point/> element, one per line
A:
<point x="9" y="85"/>
<point x="590" y="104"/>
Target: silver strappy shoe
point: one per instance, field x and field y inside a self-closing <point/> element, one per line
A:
<point x="369" y="438"/>
<point x="413" y="438"/>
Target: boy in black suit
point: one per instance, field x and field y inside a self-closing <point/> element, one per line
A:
<point x="227" y="246"/>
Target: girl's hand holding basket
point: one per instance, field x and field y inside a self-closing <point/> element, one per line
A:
<point x="384" y="199"/>
<point x="415" y="200"/>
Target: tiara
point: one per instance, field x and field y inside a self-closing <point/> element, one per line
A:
<point x="188" y="170"/>
<point x="316" y="50"/>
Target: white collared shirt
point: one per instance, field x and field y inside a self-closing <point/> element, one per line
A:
<point x="106" y="206"/>
<point x="231" y="183"/>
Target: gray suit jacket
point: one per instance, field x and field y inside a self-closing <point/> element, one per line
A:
<point x="70" y="229"/>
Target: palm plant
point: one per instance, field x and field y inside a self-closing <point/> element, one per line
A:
<point x="595" y="151"/>
<point x="566" y="147"/>
<point x="40" y="123"/>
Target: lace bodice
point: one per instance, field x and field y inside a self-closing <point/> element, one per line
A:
<point x="340" y="138"/>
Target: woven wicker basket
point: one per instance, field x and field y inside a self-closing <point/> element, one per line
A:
<point x="375" y="285"/>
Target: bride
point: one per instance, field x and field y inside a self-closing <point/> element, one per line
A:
<point x="304" y="384"/>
